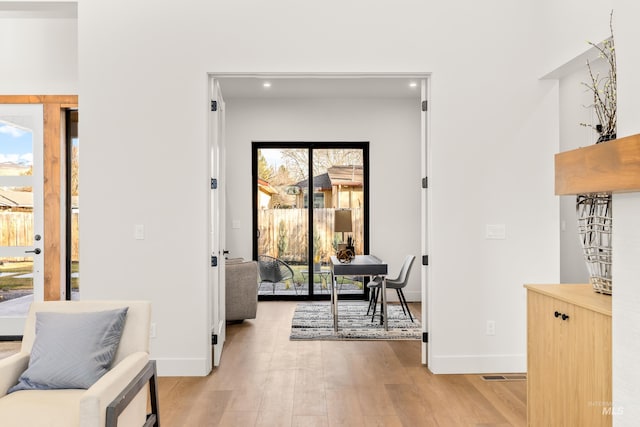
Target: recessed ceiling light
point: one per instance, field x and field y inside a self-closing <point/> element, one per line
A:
<point x="413" y="84"/>
<point x="266" y="84"/>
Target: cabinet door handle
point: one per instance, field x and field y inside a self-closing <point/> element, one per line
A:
<point x="557" y="314"/>
<point x="564" y="316"/>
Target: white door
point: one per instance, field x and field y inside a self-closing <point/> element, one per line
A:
<point x="424" y="156"/>
<point x="21" y="213"/>
<point x="217" y="220"/>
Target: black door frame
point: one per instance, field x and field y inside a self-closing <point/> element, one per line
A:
<point x="310" y="146"/>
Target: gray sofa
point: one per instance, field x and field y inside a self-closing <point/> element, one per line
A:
<point x="241" y="289"/>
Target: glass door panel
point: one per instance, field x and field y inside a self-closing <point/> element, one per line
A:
<point x="282" y="216"/>
<point x="73" y="206"/>
<point x="338" y="219"/>
<point x="21" y="220"/>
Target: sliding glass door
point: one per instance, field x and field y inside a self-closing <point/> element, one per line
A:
<point x="298" y="184"/>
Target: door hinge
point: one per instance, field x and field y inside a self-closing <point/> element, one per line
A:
<point x="214" y="183"/>
<point x="425" y="182"/>
<point x="214" y="261"/>
<point x="425" y="259"/>
<point x="424" y="105"/>
<point x="214" y="105"/>
<point x="425" y="337"/>
<point x="214" y="339"/>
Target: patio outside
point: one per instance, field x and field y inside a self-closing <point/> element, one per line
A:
<point x="299" y="285"/>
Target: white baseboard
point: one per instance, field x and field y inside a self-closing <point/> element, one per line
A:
<point x="478" y="364"/>
<point x="194" y="367"/>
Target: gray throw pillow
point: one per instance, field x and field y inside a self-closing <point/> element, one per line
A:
<point x="72" y="350"/>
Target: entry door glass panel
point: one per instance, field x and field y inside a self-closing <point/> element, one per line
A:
<point x="73" y="170"/>
<point x="21" y="220"/>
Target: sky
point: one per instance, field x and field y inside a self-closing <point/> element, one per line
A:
<point x="15" y="145"/>
<point x="273" y="156"/>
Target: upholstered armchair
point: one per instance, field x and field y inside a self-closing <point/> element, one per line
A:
<point x="125" y="377"/>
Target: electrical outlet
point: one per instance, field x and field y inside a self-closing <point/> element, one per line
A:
<point x="152" y="330"/>
<point x="491" y="327"/>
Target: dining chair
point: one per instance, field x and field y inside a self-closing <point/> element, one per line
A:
<point x="398" y="284"/>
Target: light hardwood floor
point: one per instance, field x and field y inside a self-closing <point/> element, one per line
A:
<point x="267" y="380"/>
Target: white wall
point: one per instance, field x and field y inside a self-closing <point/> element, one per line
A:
<point x="38" y="56"/>
<point x="494" y="130"/>
<point x="565" y="26"/>
<point x="392" y="126"/>
<point x="142" y="87"/>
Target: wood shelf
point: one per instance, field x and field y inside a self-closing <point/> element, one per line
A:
<point x="609" y="167"/>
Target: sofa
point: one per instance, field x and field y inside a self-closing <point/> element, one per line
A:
<point x="241" y="289"/>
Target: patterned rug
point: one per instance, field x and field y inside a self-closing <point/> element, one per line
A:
<point x="313" y="321"/>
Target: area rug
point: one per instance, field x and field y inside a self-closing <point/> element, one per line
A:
<point x="313" y="321"/>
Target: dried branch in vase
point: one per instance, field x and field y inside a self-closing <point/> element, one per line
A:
<point x="604" y="89"/>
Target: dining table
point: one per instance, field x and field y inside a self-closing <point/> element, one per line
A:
<point x="359" y="265"/>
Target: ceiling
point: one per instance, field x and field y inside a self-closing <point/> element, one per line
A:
<point x="319" y="87"/>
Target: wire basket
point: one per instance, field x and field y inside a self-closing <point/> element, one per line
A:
<point x="594" y="229"/>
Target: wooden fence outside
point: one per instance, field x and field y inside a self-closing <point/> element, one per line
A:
<point x="284" y="233"/>
<point x="16" y="229"/>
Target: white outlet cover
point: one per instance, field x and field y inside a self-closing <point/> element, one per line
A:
<point x="138" y="232"/>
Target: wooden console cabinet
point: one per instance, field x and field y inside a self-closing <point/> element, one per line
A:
<point x="568" y="356"/>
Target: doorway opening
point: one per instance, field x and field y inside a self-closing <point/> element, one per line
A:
<point x="325" y="184"/>
<point x="255" y="102"/>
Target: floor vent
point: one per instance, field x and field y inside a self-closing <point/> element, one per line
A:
<point x="518" y="377"/>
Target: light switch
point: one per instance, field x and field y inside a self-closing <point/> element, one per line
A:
<point x="138" y="232"/>
<point x="496" y="231"/>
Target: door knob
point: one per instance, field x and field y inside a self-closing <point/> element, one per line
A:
<point x="35" y="251"/>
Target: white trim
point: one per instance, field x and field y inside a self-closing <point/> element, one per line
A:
<point x="478" y="364"/>
<point x="327" y="75"/>
<point x="425" y="225"/>
<point x="184" y="367"/>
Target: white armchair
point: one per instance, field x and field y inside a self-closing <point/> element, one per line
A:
<point x="119" y="397"/>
